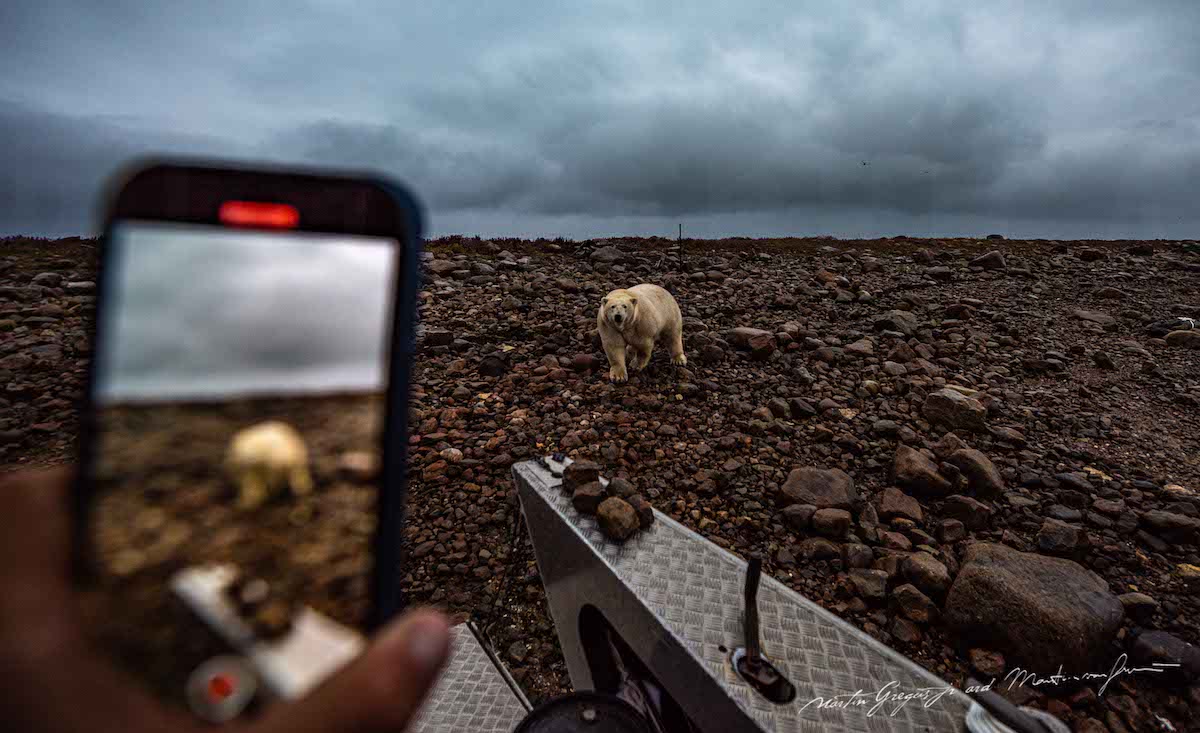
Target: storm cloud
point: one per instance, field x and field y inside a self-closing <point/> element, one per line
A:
<point x="863" y="119"/>
<point x="260" y="314"/>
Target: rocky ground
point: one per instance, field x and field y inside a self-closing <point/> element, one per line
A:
<point x="985" y="453"/>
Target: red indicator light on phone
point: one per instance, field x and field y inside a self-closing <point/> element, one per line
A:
<point x="220" y="687"/>
<point x="259" y="214"/>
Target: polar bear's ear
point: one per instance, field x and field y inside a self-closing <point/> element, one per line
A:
<point x="633" y="301"/>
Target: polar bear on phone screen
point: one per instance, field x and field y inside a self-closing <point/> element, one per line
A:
<point x="632" y="321"/>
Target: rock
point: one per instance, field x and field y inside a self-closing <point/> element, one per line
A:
<point x="897" y="320"/>
<point x="760" y="343"/>
<point x="986" y="662"/>
<point x="799" y="516"/>
<point x="914" y="604"/>
<point x="895" y="503"/>
<point x="645" y="512"/>
<point x="916" y="473"/>
<point x="948" y="445"/>
<point x="823" y="488"/>
<point x="927" y="573"/>
<point x="905" y="631"/>
<point x="622" y="488"/>
<point x="1040" y="611"/>
<point x="1097" y="317"/>
<point x="441" y="267"/>
<point x="1091" y="255"/>
<point x="1185" y="339"/>
<point x="1104" y="361"/>
<point x="579" y="473"/>
<point x="607" y="254"/>
<point x="494" y="365"/>
<point x="818" y="548"/>
<point x="1176" y="528"/>
<point x="81" y="287"/>
<point x="832" y="522"/>
<point x="1059" y="538"/>
<point x="586" y="499"/>
<point x="982" y="477"/>
<point x="586" y="362"/>
<point x="1138" y="606"/>
<point x="618" y="520"/>
<point x="518" y="651"/>
<point x="801" y="408"/>
<point x="47" y="279"/>
<point x="1165" y="648"/>
<point x="870" y="585"/>
<point x="993" y="260"/>
<point x="955" y="411"/>
<point x="858" y="556"/>
<point x="951" y="530"/>
<point x="779" y="407"/>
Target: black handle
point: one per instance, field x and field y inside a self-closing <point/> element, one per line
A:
<point x="753" y="573"/>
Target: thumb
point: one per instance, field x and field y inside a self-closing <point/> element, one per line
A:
<point x="381" y="690"/>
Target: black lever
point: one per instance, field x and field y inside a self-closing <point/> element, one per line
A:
<point x="753" y="573"/>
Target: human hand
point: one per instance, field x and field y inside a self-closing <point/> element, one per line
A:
<point x="55" y="681"/>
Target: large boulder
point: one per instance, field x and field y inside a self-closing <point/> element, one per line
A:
<point x="916" y="473"/>
<point x="955" y="411"/>
<point x="1041" y="612"/>
<point x="822" y="488"/>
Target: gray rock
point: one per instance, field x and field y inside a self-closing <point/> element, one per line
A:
<point x="869" y="584"/>
<point x="1096" y="317"/>
<point x="1059" y="538"/>
<point x="858" y="556"/>
<point x="823" y="488"/>
<point x="955" y="411"/>
<point x="916" y="473"/>
<point x="1176" y="528"/>
<point x="1165" y="648"/>
<point x="897" y="320"/>
<point x="993" y="260"/>
<point x="1041" y="612"/>
<point x="607" y="254"/>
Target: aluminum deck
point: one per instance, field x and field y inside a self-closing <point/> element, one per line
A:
<point x="675" y="596"/>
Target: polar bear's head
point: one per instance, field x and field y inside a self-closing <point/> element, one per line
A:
<point x="619" y="308"/>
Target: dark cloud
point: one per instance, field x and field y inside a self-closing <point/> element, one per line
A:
<point x="260" y="314"/>
<point x="1060" y="120"/>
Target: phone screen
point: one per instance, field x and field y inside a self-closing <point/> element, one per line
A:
<point x="238" y="403"/>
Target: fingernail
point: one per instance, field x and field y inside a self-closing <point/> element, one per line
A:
<point x="427" y="641"/>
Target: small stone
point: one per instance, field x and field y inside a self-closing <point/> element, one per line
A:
<point x="915" y="472"/>
<point x="579" y="473"/>
<point x="905" y="631"/>
<point x="926" y="573"/>
<point x="832" y="522"/>
<point x="622" y="488"/>
<point x="1138" y="606"/>
<point x="869" y="584"/>
<point x="823" y="488"/>
<point x="951" y="530"/>
<point x="1058" y="538"/>
<point x="955" y="411"/>
<point x="896" y="503"/>
<point x="1189" y="339"/>
<point x="858" y="556"/>
<point x="645" y="512"/>
<point x="798" y="516"/>
<point x="982" y="477"/>
<point x="986" y="662"/>
<point x="818" y="548"/>
<point x="993" y="260"/>
<point x="1165" y="648"/>
<point x="586" y="499"/>
<point x="914" y="604"/>
<point x="617" y="518"/>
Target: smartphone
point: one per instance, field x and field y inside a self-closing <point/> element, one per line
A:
<point x="242" y="471"/>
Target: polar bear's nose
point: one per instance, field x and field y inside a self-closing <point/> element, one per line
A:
<point x="617" y="317"/>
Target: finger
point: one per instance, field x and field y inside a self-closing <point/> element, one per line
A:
<point x="381" y="690"/>
<point x="35" y="551"/>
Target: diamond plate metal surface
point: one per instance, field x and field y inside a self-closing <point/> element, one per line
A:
<point x="692" y="589"/>
<point x="471" y="695"/>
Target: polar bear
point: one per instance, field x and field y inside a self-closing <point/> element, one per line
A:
<point x="265" y="458"/>
<point x="635" y="319"/>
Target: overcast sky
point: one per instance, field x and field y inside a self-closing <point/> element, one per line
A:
<point x="196" y="315"/>
<point x="1056" y="119"/>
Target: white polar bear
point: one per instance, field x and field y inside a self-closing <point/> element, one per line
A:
<point x="265" y="458"/>
<point x="635" y="319"/>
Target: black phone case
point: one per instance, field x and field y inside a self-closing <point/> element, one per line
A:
<point x="191" y="192"/>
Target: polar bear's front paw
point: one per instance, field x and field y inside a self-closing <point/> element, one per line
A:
<point x="680" y="360"/>
<point x="618" y="375"/>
